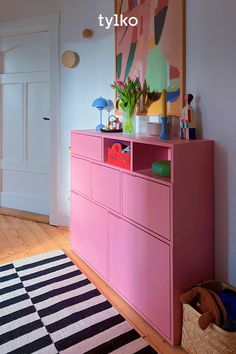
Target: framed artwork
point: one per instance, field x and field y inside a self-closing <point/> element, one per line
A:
<point x="153" y="51"/>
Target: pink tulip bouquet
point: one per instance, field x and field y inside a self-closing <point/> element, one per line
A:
<point x="128" y="94"/>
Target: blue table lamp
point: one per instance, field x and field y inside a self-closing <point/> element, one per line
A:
<point x="100" y="103"/>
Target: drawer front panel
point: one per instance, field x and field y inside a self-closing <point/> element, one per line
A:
<point x="106" y="186"/>
<point x="81" y="176"/>
<point x="87" y="146"/>
<point x="139" y="270"/>
<point x="89" y="232"/>
<point x="147" y="203"/>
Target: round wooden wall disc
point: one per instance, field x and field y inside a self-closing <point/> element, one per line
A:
<point x="70" y="59"/>
<point x="87" y="33"/>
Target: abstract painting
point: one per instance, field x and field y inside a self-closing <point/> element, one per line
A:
<point x="153" y="50"/>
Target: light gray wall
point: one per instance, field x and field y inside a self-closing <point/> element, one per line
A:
<point x="211" y="77"/>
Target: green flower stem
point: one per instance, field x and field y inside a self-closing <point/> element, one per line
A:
<point x="128" y="127"/>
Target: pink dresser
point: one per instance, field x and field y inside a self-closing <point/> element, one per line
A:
<point x="150" y="238"/>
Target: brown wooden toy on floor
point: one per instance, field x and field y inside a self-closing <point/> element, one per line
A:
<point x="208" y="304"/>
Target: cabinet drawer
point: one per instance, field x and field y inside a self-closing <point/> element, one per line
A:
<point x="87" y="146"/>
<point x="89" y="232"/>
<point x="106" y="186"/>
<point x="139" y="270"/>
<point x="147" y="203"/>
<point x="81" y="176"/>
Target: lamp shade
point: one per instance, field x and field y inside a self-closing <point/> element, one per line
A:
<point x="100" y="103"/>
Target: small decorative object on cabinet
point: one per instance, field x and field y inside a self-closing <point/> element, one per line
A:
<point x="153" y="128"/>
<point x="161" y="168"/>
<point x="144" y="234"/>
<point x="114" y="125"/>
<point x="100" y="103"/>
<point x="129" y="93"/>
<point x="187" y="124"/>
<point x="164" y="119"/>
<point x="119" y="155"/>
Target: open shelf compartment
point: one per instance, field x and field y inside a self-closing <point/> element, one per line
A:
<point x="115" y="155"/>
<point x="144" y="155"/>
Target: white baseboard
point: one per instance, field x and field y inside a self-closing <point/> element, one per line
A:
<point x="33" y="204"/>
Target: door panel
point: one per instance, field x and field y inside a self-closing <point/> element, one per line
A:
<point x="139" y="270"/>
<point x="12" y="115"/>
<point x="89" y="232"/>
<point x="150" y="206"/>
<point x="81" y="176"/>
<point x="106" y="186"/>
<point x="37" y="127"/>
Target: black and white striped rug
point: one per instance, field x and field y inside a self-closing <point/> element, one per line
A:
<point x="48" y="306"/>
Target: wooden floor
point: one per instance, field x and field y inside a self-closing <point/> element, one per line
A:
<point x="21" y="238"/>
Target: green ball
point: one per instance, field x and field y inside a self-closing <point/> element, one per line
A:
<point x="161" y="168"/>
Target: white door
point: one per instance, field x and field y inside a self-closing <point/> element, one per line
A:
<point x="24" y="103"/>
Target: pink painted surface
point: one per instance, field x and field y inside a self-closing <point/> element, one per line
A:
<point x="146" y="154"/>
<point x="139" y="269"/>
<point x="193" y="228"/>
<point x="106" y="186"/>
<point x="89" y="232"/>
<point x="86" y="146"/>
<point x="147" y="203"/>
<point x="81" y="176"/>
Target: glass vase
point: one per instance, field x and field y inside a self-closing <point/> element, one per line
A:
<point x="128" y="122"/>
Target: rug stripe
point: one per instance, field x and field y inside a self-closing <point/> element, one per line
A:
<point x="46" y="271"/>
<point x="26" y="272"/>
<point x="115" y="343"/>
<point x="8" y="327"/>
<point x="6" y="267"/>
<point x="8" y="277"/>
<point x="39" y="263"/>
<point x="11" y="288"/>
<point x="53" y="280"/>
<point x="17" y="314"/>
<point x="12" y="294"/>
<point x="13" y="300"/>
<point x="132" y="347"/>
<point x="56" y="285"/>
<point x="99" y="338"/>
<point x="55" y="317"/>
<point x="68" y="302"/>
<point x="146" y="350"/>
<point x="56" y="292"/>
<point x="20" y="331"/>
<point x="63" y="297"/>
<point x="32" y="347"/>
<point x="7" y="272"/>
<point x="75" y="317"/>
<point x="88" y="332"/>
<point x="15" y="307"/>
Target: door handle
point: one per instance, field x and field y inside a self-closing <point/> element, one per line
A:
<point x="46" y="118"/>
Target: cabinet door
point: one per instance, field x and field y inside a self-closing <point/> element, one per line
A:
<point x="106" y="186"/>
<point x="89" y="232"/>
<point x="81" y="176"/>
<point x="147" y="203"/>
<point x="86" y="146"/>
<point x="139" y="270"/>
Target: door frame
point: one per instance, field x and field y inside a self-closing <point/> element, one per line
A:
<point x="48" y="23"/>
